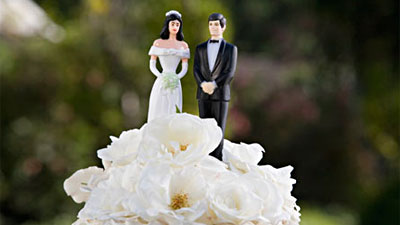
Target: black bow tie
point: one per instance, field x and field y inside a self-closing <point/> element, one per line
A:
<point x="214" y="41"/>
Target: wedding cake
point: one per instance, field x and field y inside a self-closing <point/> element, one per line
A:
<point x="162" y="174"/>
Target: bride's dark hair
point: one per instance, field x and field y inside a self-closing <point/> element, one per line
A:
<point x="165" y="31"/>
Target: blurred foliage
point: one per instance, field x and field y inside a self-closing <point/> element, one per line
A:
<point x="319" y="88"/>
<point x="328" y="215"/>
<point x="316" y="84"/>
<point x="381" y="208"/>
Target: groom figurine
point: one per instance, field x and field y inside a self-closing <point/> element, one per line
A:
<point x="214" y="67"/>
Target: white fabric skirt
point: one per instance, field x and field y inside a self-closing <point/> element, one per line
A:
<point x="164" y="101"/>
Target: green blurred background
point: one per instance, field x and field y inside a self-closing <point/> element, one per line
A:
<point x="317" y="85"/>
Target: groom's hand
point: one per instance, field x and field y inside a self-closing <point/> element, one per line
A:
<point x="213" y="85"/>
<point x="205" y="87"/>
<point x="208" y="87"/>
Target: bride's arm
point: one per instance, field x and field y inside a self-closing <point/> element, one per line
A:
<point x="184" y="61"/>
<point x="184" y="68"/>
<point x="153" y="58"/>
<point x="153" y="67"/>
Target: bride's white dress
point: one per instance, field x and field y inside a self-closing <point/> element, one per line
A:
<point x="165" y="101"/>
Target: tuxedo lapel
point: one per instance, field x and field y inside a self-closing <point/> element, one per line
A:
<point x="204" y="57"/>
<point x="219" y="56"/>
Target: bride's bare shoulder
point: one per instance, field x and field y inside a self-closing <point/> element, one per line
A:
<point x="184" y="44"/>
<point x="159" y="42"/>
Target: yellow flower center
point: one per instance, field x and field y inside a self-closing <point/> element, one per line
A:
<point x="171" y="150"/>
<point x="179" y="201"/>
<point x="183" y="147"/>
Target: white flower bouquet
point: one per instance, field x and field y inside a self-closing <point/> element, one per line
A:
<point x="162" y="174"/>
<point x="170" y="81"/>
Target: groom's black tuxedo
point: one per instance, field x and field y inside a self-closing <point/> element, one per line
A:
<point x="215" y="105"/>
<point x="222" y="73"/>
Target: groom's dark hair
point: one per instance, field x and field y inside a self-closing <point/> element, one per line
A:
<point x="218" y="16"/>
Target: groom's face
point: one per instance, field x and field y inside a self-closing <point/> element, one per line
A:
<point x="215" y="28"/>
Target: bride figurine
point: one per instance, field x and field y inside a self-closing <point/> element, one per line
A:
<point x="166" y="94"/>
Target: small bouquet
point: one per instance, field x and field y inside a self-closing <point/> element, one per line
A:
<point x="170" y="81"/>
<point x="162" y="174"/>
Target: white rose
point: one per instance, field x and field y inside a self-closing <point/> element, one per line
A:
<point x="214" y="172"/>
<point x="113" y="222"/>
<point x="170" y="195"/>
<point x="87" y="222"/>
<point x="131" y="176"/>
<point x="284" y="184"/>
<point x="234" y="201"/>
<point x="280" y="177"/>
<point x="273" y="201"/>
<point x="125" y="177"/>
<point x="133" y="221"/>
<point x="181" y="139"/>
<point x="212" y="169"/>
<point x="213" y="164"/>
<point x="80" y="184"/>
<point x="122" y="150"/>
<point x="105" y="204"/>
<point x="241" y="157"/>
<point x="162" y="174"/>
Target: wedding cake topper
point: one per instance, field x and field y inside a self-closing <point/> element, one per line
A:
<point x="214" y="68"/>
<point x="166" y="172"/>
<point x="166" y="94"/>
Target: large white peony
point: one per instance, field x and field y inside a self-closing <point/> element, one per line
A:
<point x="162" y="174"/>
<point x="182" y="139"/>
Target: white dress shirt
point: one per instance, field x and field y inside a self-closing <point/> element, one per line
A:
<point x="212" y="52"/>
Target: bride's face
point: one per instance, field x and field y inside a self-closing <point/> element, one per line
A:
<point x="173" y="26"/>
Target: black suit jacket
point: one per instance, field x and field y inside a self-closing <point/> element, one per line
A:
<point x="222" y="73"/>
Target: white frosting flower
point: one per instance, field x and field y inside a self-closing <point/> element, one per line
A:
<point x="241" y="157"/>
<point x="181" y="139"/>
<point x="122" y="150"/>
<point x="81" y="183"/>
